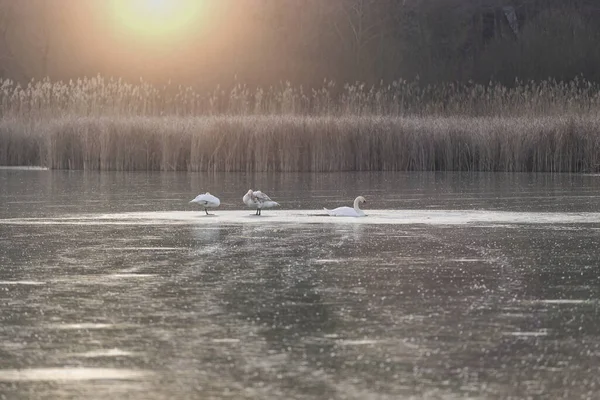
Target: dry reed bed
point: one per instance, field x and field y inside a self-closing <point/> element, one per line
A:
<point x="296" y="143"/>
<point x="99" y="96"/>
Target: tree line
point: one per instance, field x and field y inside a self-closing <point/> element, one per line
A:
<point x="269" y="42"/>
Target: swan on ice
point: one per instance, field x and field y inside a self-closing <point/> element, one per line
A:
<point x="348" y="211"/>
<point x="258" y="200"/>
<point x="207" y="200"/>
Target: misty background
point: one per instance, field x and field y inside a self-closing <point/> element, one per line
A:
<point x="264" y="42"/>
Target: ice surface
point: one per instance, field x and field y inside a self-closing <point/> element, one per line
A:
<point x="374" y="217"/>
<point x="454" y="286"/>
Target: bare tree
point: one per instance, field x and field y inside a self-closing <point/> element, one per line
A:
<point x="358" y="24"/>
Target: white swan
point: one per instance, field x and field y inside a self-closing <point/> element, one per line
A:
<point x="348" y="211"/>
<point x="258" y="200"/>
<point x="207" y="200"/>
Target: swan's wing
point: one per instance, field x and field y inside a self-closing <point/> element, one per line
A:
<point x="207" y="199"/>
<point x="197" y="199"/>
<point x="330" y="212"/>
<point x="343" y="212"/>
<point x="213" y="200"/>
<point x="269" y="204"/>
<point x="260" y="196"/>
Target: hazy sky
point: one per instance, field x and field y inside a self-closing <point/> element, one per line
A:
<point x="156" y="39"/>
<point x="267" y="42"/>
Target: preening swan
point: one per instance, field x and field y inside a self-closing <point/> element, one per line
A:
<point x="207" y="200"/>
<point x="348" y="211"/>
<point x="258" y="200"/>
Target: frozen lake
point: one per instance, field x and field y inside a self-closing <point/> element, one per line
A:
<point x="480" y="286"/>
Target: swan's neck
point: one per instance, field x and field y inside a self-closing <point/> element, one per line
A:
<point x="356" y="205"/>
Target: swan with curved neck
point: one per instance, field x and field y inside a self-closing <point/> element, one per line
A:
<point x="349" y="211"/>
<point x="259" y="200"/>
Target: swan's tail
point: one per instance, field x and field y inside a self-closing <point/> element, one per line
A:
<point x="330" y="212"/>
<point x="269" y="204"/>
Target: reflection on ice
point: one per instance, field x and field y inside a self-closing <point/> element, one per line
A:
<point x="70" y="374"/>
<point x="119" y="276"/>
<point x="359" y="342"/>
<point x="24" y="167"/>
<point x="543" y="332"/>
<point x="32" y="283"/>
<point x="103" y="353"/>
<point x="563" y="301"/>
<point x="85" y="326"/>
<point x="226" y="340"/>
<point x="142" y="248"/>
<point x="328" y="261"/>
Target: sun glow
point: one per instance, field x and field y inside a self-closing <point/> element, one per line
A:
<point x="157" y="18"/>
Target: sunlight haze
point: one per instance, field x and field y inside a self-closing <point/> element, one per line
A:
<point x="157" y="18"/>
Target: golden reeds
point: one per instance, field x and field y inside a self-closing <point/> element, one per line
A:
<point x="104" y="124"/>
<point x="295" y="143"/>
<point x="109" y="97"/>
